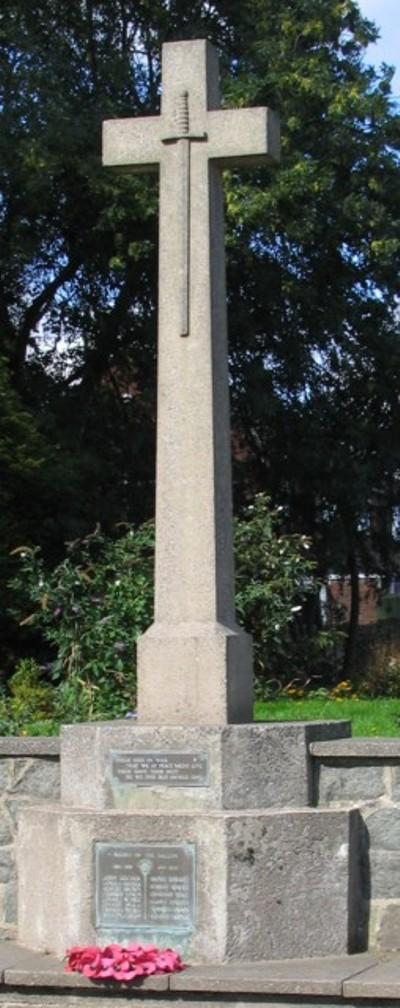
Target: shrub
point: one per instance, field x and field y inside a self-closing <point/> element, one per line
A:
<point x="276" y="589"/>
<point x="92" y="607"/>
<point x="90" y="610"/>
<point x="28" y="702"/>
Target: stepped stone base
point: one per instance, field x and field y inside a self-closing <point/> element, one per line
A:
<point x="265" y="884"/>
<point x="259" y="765"/>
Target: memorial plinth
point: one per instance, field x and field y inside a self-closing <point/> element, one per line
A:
<point x="216" y="887"/>
<point x="202" y="839"/>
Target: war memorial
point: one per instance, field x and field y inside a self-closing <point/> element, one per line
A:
<point x="242" y="845"/>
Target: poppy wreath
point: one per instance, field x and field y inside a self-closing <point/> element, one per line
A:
<point x="121" y="962"/>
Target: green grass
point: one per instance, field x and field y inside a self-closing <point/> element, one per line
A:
<point x="368" y="717"/>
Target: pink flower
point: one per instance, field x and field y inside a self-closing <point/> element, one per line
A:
<point x="118" y="962"/>
<point x="85" y="960"/>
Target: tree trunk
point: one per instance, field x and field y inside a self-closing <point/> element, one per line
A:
<point x="351" y="642"/>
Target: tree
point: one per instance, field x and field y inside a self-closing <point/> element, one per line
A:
<point x="316" y="387"/>
<point x="311" y="261"/>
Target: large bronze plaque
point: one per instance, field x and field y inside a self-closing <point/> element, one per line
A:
<point x="149" y="769"/>
<point x="145" y="886"/>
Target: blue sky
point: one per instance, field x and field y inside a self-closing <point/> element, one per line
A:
<point x="386" y="14"/>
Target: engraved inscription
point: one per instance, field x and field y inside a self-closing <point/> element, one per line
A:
<point x="145" y="886"/>
<point x="172" y="769"/>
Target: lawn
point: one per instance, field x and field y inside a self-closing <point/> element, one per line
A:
<point x="368" y="717"/>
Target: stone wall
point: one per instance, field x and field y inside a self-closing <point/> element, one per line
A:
<point x="365" y="773"/>
<point x="29" y="773"/>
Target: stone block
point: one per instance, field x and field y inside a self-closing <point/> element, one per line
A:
<point x="292" y="977"/>
<point x="267" y="884"/>
<point x="349" y="780"/>
<point x="208" y="668"/>
<point x="7" y="866"/>
<point x="242" y="765"/>
<point x="6" y="833"/>
<point x="384" y="869"/>
<point x="38" y="777"/>
<point x="5" y="771"/>
<point x="10" y="901"/>
<point x="396" y="783"/>
<point x="388" y="933"/>
<point x="383" y="826"/>
<point x="381" y="981"/>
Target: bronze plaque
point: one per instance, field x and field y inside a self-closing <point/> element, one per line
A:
<point x="170" y="769"/>
<point x="145" y="887"/>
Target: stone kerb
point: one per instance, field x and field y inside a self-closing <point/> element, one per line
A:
<point x="365" y="772"/>
<point x="29" y="772"/>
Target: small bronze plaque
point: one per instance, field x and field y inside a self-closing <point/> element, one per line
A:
<point x="145" y="886"/>
<point x="170" y="769"/>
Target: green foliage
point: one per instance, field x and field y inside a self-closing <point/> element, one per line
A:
<point x="90" y="609"/>
<point x="389" y="607"/>
<point x="28" y="708"/>
<point x="381" y="676"/>
<point x="276" y="592"/>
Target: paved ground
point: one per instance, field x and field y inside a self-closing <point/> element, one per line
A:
<point x="348" y="977"/>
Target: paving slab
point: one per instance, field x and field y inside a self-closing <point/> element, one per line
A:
<point x="17" y="957"/>
<point x="286" y="976"/>
<point x="57" y="978"/>
<point x="363" y="975"/>
<point x="21" y="967"/>
<point x="382" y="981"/>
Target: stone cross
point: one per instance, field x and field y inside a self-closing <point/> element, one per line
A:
<point x="194" y="662"/>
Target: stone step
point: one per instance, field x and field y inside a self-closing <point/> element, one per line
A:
<point x="247" y="885"/>
<point x="31" y="978"/>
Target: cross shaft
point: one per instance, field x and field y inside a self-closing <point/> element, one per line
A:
<point x="194" y="651"/>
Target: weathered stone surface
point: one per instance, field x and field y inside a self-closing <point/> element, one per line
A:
<point x="381" y="981"/>
<point x="194" y="644"/>
<point x="39" y="777"/>
<point x="10" y="901"/>
<point x="384" y="874"/>
<point x="384" y="749"/>
<point x="32" y="972"/>
<point x="28" y="746"/>
<point x="349" y="781"/>
<point x="383" y="827"/>
<point x="244" y="764"/>
<point x="388" y="933"/>
<point x="396" y="784"/>
<point x="291" y="976"/>
<point x="208" y="667"/>
<point x="52" y="975"/>
<point x="13" y="805"/>
<point x="5" y="771"/>
<point x="29" y="771"/>
<point x="6" y="831"/>
<point x="6" y="864"/>
<point x="267" y="883"/>
<point x="289" y="867"/>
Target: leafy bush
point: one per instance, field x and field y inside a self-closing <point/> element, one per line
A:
<point x="382" y="673"/>
<point x="92" y="607"/>
<point x="276" y="588"/>
<point x="29" y="703"/>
